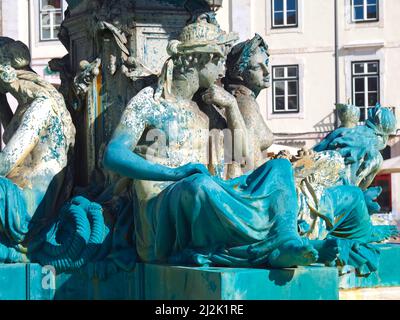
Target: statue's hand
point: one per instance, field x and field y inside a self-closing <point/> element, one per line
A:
<point x="370" y="195"/>
<point x="219" y="97"/>
<point x="190" y="169"/>
<point x="7" y="74"/>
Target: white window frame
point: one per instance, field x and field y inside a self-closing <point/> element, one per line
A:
<point x="52" y="25"/>
<point x="285" y="13"/>
<point x="286" y="79"/>
<point x="365" y="6"/>
<point x="365" y="75"/>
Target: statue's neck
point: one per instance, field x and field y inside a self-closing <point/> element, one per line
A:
<point x="184" y="88"/>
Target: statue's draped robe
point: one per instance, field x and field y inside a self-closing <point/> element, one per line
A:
<point x="329" y="209"/>
<point x="220" y="219"/>
<point x="14" y="217"/>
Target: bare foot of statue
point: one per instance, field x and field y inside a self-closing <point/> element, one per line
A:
<point x="293" y="253"/>
<point x="383" y="232"/>
<point x="190" y="257"/>
<point x="328" y="250"/>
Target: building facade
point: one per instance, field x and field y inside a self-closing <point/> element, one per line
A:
<point x="322" y="53"/>
<point x="36" y="23"/>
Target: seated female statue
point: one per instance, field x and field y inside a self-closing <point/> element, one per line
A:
<point x="38" y="137"/>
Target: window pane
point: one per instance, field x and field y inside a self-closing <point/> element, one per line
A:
<point x="46" y="19"/>
<point x="280" y="104"/>
<point x="358" y="2"/>
<point x="292" y="87"/>
<point x="280" y="88"/>
<point x="371" y="2"/>
<point x="372" y="99"/>
<point x="371" y="12"/>
<point x="51" y="4"/>
<point x="359" y="85"/>
<point x="291" y="5"/>
<point x="359" y="13"/>
<point x="292" y="71"/>
<point x="278" y="5"/>
<point x="58" y="18"/>
<point x="359" y="99"/>
<point x="292" y="103"/>
<point x="373" y="84"/>
<point x="279" y="72"/>
<point x="291" y="17"/>
<point x="56" y="31"/>
<point x="46" y="35"/>
<point x="278" y="19"/>
<point x="359" y="68"/>
<point x="363" y="114"/>
<point x="373" y="67"/>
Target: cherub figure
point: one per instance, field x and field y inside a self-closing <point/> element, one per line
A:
<point x="349" y="115"/>
<point x="39" y="137"/>
<point x="360" y="146"/>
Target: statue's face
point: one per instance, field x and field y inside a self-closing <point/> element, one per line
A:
<point x="212" y="71"/>
<point x="256" y="76"/>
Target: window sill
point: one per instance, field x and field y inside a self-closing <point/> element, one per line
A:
<point x="288" y="115"/>
<point x="363" y="44"/>
<point x="279" y="30"/>
<point x="365" y="24"/>
<point x="285" y="27"/>
<point x="365" y="21"/>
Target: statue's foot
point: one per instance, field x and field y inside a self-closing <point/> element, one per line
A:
<point x="384" y="232"/>
<point x="189" y="257"/>
<point x="293" y="253"/>
<point x="328" y="250"/>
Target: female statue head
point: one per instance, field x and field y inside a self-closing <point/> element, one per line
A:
<point x="247" y="64"/>
<point x="198" y="56"/>
<point x="14" y="53"/>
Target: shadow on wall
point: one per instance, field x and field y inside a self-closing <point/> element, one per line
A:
<point x="327" y="124"/>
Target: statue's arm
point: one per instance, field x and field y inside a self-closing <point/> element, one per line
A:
<point x="370" y="168"/>
<point x="338" y="138"/>
<point x="6" y="113"/>
<point x="235" y="122"/>
<point x="34" y="122"/>
<point x="8" y="77"/>
<point x="238" y="127"/>
<point x="120" y="157"/>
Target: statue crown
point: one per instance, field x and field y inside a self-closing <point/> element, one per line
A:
<point x="201" y="32"/>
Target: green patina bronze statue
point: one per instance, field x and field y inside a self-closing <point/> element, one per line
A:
<point x="39" y="137"/>
<point x="326" y="182"/>
<point x="182" y="213"/>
